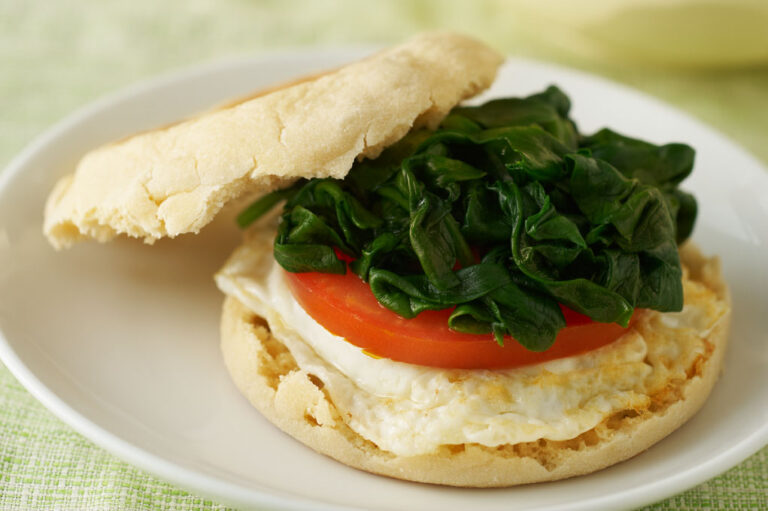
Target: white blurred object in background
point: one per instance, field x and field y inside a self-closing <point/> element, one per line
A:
<point x="691" y="33"/>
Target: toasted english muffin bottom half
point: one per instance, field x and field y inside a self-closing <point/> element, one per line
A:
<point x="621" y="398"/>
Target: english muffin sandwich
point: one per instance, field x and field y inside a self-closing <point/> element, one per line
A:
<point x="462" y="295"/>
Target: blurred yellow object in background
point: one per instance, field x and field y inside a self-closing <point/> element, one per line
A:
<point x="690" y="33"/>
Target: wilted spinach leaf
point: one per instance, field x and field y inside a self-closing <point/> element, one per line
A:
<point x="502" y="214"/>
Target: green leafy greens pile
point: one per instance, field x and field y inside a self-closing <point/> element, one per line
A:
<point x="504" y="212"/>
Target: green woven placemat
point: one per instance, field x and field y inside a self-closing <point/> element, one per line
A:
<point x="57" y="56"/>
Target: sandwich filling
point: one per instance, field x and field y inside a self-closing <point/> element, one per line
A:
<point x="410" y="410"/>
<point x="505" y="217"/>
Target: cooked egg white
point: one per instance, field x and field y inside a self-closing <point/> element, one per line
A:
<point x="410" y="410"/>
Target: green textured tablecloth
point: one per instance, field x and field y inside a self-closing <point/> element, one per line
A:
<point x="57" y="56"/>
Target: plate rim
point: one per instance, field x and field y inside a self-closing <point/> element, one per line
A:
<point x="224" y="491"/>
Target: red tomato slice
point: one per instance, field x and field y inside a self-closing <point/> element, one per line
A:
<point x="346" y="306"/>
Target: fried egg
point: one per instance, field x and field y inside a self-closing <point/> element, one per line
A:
<point x="410" y="410"/>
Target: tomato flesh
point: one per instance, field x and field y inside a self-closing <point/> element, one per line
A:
<point x="346" y="307"/>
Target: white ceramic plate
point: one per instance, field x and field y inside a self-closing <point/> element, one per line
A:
<point x="121" y="340"/>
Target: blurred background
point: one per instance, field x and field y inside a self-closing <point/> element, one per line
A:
<point x="708" y="57"/>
